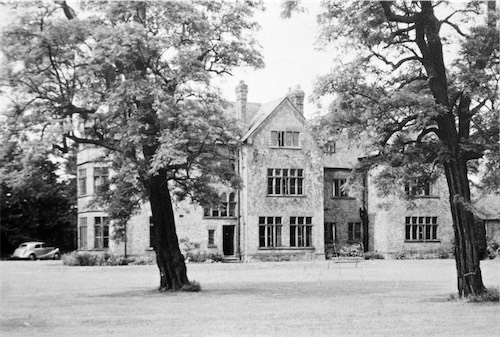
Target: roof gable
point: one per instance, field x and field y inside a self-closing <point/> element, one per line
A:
<point x="267" y="111"/>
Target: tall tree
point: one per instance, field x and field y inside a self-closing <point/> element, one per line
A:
<point x="35" y="203"/>
<point x="416" y="109"/>
<point x="137" y="74"/>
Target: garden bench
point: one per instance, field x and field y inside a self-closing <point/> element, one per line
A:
<point x="349" y="253"/>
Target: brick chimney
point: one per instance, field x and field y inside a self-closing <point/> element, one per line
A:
<point x="241" y="101"/>
<point x="296" y="95"/>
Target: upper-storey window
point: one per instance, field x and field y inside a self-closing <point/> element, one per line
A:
<point x="285" y="138"/>
<point x="338" y="188"/>
<point x="226" y="209"/>
<point x="285" y="181"/>
<point x="418" y="190"/>
<point x="82" y="181"/>
<point x="100" y="179"/>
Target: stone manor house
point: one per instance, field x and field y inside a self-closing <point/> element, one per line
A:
<point x="292" y="204"/>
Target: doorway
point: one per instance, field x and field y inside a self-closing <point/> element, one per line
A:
<point x="228" y="240"/>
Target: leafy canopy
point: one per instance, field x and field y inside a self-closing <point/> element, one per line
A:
<point x="134" y="78"/>
<point x="392" y="93"/>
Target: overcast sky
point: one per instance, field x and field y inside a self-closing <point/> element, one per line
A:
<point x="289" y="54"/>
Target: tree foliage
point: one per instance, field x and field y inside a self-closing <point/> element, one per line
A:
<point x="36" y="204"/>
<point x="420" y="112"/>
<point x="134" y="78"/>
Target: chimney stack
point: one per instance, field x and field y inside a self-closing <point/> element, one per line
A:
<point x="241" y="101"/>
<point x="297" y="97"/>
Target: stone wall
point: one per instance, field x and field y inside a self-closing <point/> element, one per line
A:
<point x="388" y="221"/>
<point x="258" y="157"/>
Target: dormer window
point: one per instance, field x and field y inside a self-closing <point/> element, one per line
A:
<point x="285" y="139"/>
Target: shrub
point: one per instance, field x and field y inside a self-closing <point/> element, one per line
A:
<point x="374" y="256"/>
<point x="491" y="295"/>
<point x="102" y="259"/>
<point x="193" y="286"/>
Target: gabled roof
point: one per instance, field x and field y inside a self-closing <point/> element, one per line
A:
<point x="265" y="112"/>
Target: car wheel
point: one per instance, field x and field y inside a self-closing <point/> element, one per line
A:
<point x="57" y="256"/>
<point x="32" y="257"/>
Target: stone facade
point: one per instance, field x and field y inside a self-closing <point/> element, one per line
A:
<point x="398" y="227"/>
<point x="292" y="204"/>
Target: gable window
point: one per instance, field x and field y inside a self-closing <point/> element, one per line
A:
<point x="270" y="231"/>
<point x="101" y="232"/>
<point x="100" y="179"/>
<point x="285" y="138"/>
<point x="285" y="181"/>
<point x="418" y="190"/>
<point x="421" y="228"/>
<point x="338" y="190"/>
<point x="211" y="237"/>
<point x="354" y="231"/>
<point x="82" y="233"/>
<point x="227" y="208"/>
<point x="300" y="231"/>
<point x="82" y="181"/>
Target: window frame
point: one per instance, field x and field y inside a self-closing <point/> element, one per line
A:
<point x="270" y="232"/>
<point x="227" y="208"/>
<point x="101" y="232"/>
<point x="330" y="232"/>
<point x="285" y="182"/>
<point x="287" y="139"/>
<point x="354" y="232"/>
<point x="301" y="235"/>
<point x="101" y="178"/>
<point x="337" y="188"/>
<point x="416" y="190"/>
<point x="82" y="181"/>
<point x="421" y="229"/>
<point x="211" y="238"/>
<point x="83" y="234"/>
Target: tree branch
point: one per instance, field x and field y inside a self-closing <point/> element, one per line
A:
<point x="390" y="16"/>
<point x="98" y="142"/>
<point x="426" y="132"/>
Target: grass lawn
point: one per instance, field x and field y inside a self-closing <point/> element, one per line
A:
<point x="376" y="298"/>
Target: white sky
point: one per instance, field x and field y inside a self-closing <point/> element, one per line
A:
<point x="289" y="55"/>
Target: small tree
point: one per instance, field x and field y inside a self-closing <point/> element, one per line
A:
<point x="415" y="110"/>
<point x="137" y="74"/>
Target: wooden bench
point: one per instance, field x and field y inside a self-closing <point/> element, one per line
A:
<point x="348" y="253"/>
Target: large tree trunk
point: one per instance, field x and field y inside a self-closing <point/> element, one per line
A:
<point x="467" y="254"/>
<point x="173" y="275"/>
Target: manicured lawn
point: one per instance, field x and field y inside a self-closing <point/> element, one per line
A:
<point x="376" y="298"/>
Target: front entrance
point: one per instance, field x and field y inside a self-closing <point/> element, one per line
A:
<point x="228" y="240"/>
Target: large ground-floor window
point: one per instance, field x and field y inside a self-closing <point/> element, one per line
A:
<point x="421" y="228"/>
<point x="270" y="231"/>
<point x="300" y="231"/>
<point x="101" y="232"/>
